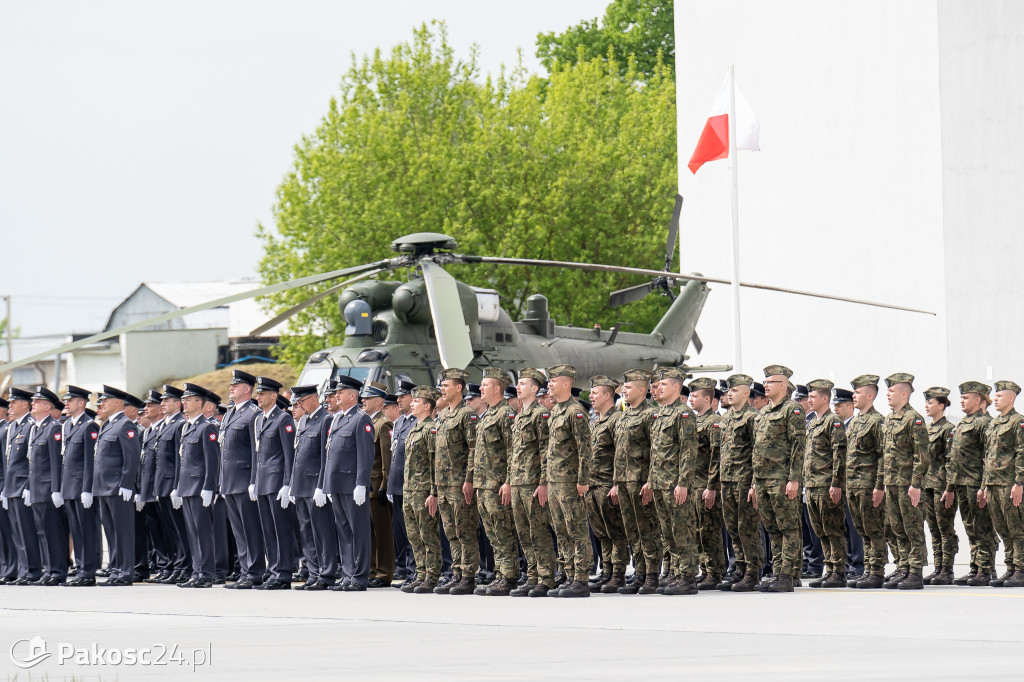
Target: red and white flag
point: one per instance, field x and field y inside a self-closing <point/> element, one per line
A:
<point x="714" y="139"/>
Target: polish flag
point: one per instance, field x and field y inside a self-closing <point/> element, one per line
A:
<point x="714" y="139"/>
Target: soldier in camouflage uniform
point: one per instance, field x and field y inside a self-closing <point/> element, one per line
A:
<point x="419" y="503"/>
<point x="779" y="435"/>
<point x="940" y="518"/>
<point x="454" y="442"/>
<point x="707" y="499"/>
<point x="905" y="454"/>
<point x="567" y="465"/>
<point x="1002" y="482"/>
<point x="965" y="463"/>
<point x="489" y="475"/>
<point x="865" y="476"/>
<point x="605" y="518"/>
<point x="824" y="480"/>
<point x="632" y="467"/>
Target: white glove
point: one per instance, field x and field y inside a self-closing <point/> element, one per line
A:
<point x="291" y="498"/>
<point x="319" y="499"/>
<point x="138" y="502"/>
<point x="125" y="494"/>
<point x="252" y="492"/>
<point x="282" y="496"/>
<point x="3" y="501"/>
<point x="58" y="499"/>
<point x="27" y="497"/>
<point x="207" y="496"/>
<point x="175" y="500"/>
<point x="391" y="498"/>
<point x="86" y="500"/>
<point x="359" y="494"/>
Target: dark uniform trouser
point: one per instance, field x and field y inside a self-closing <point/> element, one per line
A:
<point x="1007" y="521"/>
<point x="424" y="537"/>
<point x="353" y="524"/>
<point x="500" y="526"/>
<point x="118" y="520"/>
<point x="641" y="527"/>
<point x="941" y="527"/>
<point x="244" y="515"/>
<point x="569" y="518"/>
<point x="907" y="522"/>
<point x="85" y="537"/>
<point x="709" y="532"/>
<point x="460" y="525"/>
<point x="978" y="524"/>
<point x="871" y="523"/>
<point x="221" y="544"/>
<point x="176" y="536"/>
<point x="142" y="543"/>
<point x="743" y="525"/>
<point x="319" y="538"/>
<point x="606" y="521"/>
<point x="53" y="539"/>
<point x="828" y="521"/>
<point x="26" y="540"/>
<point x="532" y="523"/>
<point x="277" y="537"/>
<point x="781" y="518"/>
<point x="405" y="561"/>
<point x="382" y="546"/>
<point x="199" y="528"/>
<point x="159" y="555"/>
<point x="677" y="530"/>
<point x="8" y="552"/>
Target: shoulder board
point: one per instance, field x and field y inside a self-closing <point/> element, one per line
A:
<point x="254" y="407"/>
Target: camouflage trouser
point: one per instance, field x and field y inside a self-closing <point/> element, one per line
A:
<point x="678" y="531"/>
<point x="907" y="522"/>
<point x="641" y="528"/>
<point x="709" y="532"/>
<point x="828" y="521"/>
<point x="781" y="518"/>
<point x="569" y="518"/>
<point x="532" y="523"/>
<point x="744" y="526"/>
<point x="941" y="526"/>
<point x="870" y="522"/>
<point x="1007" y="522"/>
<point x="501" y="531"/>
<point x="978" y="524"/>
<point x="424" y="535"/>
<point x="460" y="521"/>
<point x="606" y="520"/>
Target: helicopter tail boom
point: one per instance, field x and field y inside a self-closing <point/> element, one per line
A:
<point x="679" y="325"/>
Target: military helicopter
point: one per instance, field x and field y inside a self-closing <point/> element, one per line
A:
<point x="410" y="330"/>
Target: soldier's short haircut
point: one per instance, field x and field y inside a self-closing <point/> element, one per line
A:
<point x="705" y="392"/>
<point x="433" y="403"/>
<point x="873" y="388"/>
<point x="827" y="395"/>
<point x="677" y="382"/>
<point x="460" y="382"/>
<point x="532" y="381"/>
<point x="609" y="389"/>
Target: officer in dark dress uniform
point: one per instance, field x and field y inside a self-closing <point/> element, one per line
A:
<point x="23" y="525"/>
<point x="172" y="520"/>
<point x="79" y="437"/>
<point x="45" y="468"/>
<point x="271" y="482"/>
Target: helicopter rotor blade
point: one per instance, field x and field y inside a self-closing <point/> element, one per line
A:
<point x="217" y="302"/>
<point x="599" y="267"/>
<point x="453" y="342"/>
<point x="673" y="233"/>
<point x="698" y="345"/>
<point x="270" y="324"/>
<point x="629" y="294"/>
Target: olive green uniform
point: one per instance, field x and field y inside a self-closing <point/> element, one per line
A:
<point x="779" y="436"/>
<point x="567" y="464"/>
<point x="824" y="468"/>
<point x="941" y="519"/>
<point x="741" y="519"/>
<point x="706" y="477"/>
<point x="632" y="467"/>
<point x="488" y="472"/>
<point x="905" y="455"/>
<point x="1004" y="466"/>
<point x="605" y="517"/>
<point x="529" y="442"/>
<point x="965" y="465"/>
<point x="421" y="527"/>
<point x="865" y="473"/>
<point x="454" y="442"/>
<point x="673" y="458"/>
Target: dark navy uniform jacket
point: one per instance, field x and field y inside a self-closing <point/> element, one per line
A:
<point x="44" y="459"/>
<point x="200" y="458"/>
<point x="147" y="463"/>
<point x="3" y="445"/>
<point x="16" y="454"/>
<point x="396" y="475"/>
<point x="275" y="452"/>
<point x="167" y="446"/>
<point x="79" y="450"/>
<point x="310" y="444"/>
<point x="350" y="453"/>
<point x="238" y="448"/>
<point x="118" y="450"/>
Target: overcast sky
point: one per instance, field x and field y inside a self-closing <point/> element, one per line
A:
<point x="144" y="140"/>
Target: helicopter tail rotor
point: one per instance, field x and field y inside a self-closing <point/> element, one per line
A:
<point x="663" y="284"/>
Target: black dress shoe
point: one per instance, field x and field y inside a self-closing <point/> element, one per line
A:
<point x="23" y="581"/>
<point x="219" y="581"/>
<point x="318" y="585"/>
<point x="81" y="582"/>
<point x="233" y="576"/>
<point x="202" y="583"/>
<point x="355" y="587"/>
<point x="117" y="582"/>
<point x="275" y="584"/>
<point x="103" y="573"/>
<point x="243" y="584"/>
<point x="338" y="587"/>
<point x="378" y="582"/>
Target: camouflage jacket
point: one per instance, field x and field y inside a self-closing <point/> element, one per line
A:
<point x="602" y="447"/>
<point x="938" y="441"/>
<point x="488" y="468"/>
<point x="779" y="435"/>
<point x="673" y="447"/>
<point x="825" y="453"/>
<point x="419" y="457"/>
<point x="1004" y="450"/>
<point x="633" y="444"/>
<point x="455" y="438"/>
<point x="864" y="463"/>
<point x="568" y="455"/>
<point x="709" y="442"/>
<point x="965" y="456"/>
<point x="529" y="443"/>
<point x="904" y="447"/>
<point x="737" y="446"/>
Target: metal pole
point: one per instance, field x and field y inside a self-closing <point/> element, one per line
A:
<point x="736" y="338"/>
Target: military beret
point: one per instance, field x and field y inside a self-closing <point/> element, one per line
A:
<point x="900" y="378"/>
<point x="820" y="385"/>
<point x="637" y="375"/>
<point x="153" y="397"/>
<point x="498" y="374"/>
<point x="267" y="384"/>
<point x="193" y="390"/>
<point x="18" y="394"/>
<point x="969" y="387"/>
<point x="775" y="370"/>
<point x="454" y="373"/>
<point x="602" y="380"/>
<point x="109" y="392"/>
<point x="405" y="387"/>
<point x="345" y="382"/>
<point x="702" y="384"/>
<point x="75" y="392"/>
<point x="865" y="380"/>
<point x="843" y="395"/>
<point x="240" y="377"/>
<point x="800" y="392"/>
<point x="532" y="373"/>
<point x="672" y="373"/>
<point x="171" y="392"/>
<point x="757" y="388"/>
<point x="299" y="392"/>
<point x="740" y="380"/>
<point x="43" y="393"/>
<point x="936" y="392"/>
<point x="1006" y="385"/>
<point x="684" y="391"/>
<point x="562" y="371"/>
<point x="374" y="389"/>
<point x="472" y="391"/>
<point x="510" y="393"/>
<point x="426" y="392"/>
<point x="790" y="388"/>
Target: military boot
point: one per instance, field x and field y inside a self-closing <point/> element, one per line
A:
<point x="464" y="586"/>
<point x="446" y="588"/>
<point x="427" y="587"/>
<point x="502" y="587"/>
<point x="745" y="584"/>
<point x="539" y="590"/>
<point x="411" y="586"/>
<point x="633" y="586"/>
<point x="836" y="579"/>
<point x="481" y="589"/>
<point x="871" y="581"/>
<point x="596" y="585"/>
<point x="614" y="583"/>
<point x="784" y="583"/>
<point x="934" y="574"/>
<point x="1015" y="580"/>
<point x="965" y="579"/>
<point x="665" y="581"/>
<point x="575" y="589"/>
<point x="895" y="577"/>
<point x="765" y="583"/>
<point x="980" y="579"/>
<point x="710" y="582"/>
<point x="650" y="585"/>
<point x="913" y="581"/>
<point x="681" y="586"/>
<point x="821" y="581"/>
<point x="1001" y="580"/>
<point x="892" y="575"/>
<point x="945" y="577"/>
<point x="523" y="590"/>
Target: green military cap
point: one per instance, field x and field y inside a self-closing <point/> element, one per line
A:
<point x="637" y="375"/>
<point x="602" y="380"/>
<point x="740" y="380"/>
<point x="820" y="385"/>
<point x="454" y="373"/>
<point x="772" y="370"/>
<point x="790" y="388"/>
<point x="562" y="371"/>
<point x="670" y="373"/>
<point x="535" y="374"/>
<point x="703" y="383"/>
<point x="428" y="392"/>
<point x="942" y="391"/>
<point x="497" y="373"/>
<point x="1006" y="385"/>
<point x="900" y="378"/>
<point x="865" y="380"/>
<point x="973" y="387"/>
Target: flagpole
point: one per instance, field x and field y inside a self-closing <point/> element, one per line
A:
<point x="733" y="159"/>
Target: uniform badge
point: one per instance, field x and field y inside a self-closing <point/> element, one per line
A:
<point x="686" y="414"/>
<point x="131" y="434"/>
<point x="369" y="429"/>
<point x="94" y="435"/>
<point x="213" y="437"/>
<point x="716" y="425"/>
<point x="288" y="428"/>
<point x="433" y="431"/>
<point x="472" y="417"/>
<point x="391" y="432"/>
<point x="579" y="415"/>
<point x="835" y="425"/>
<point x="544" y="415"/>
<point x="918" y="422"/>
<point x="56" y="437"/>
<point x="796" y="411"/>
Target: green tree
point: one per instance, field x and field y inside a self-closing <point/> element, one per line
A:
<point x="640" y="28"/>
<point x="580" y="166"/>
